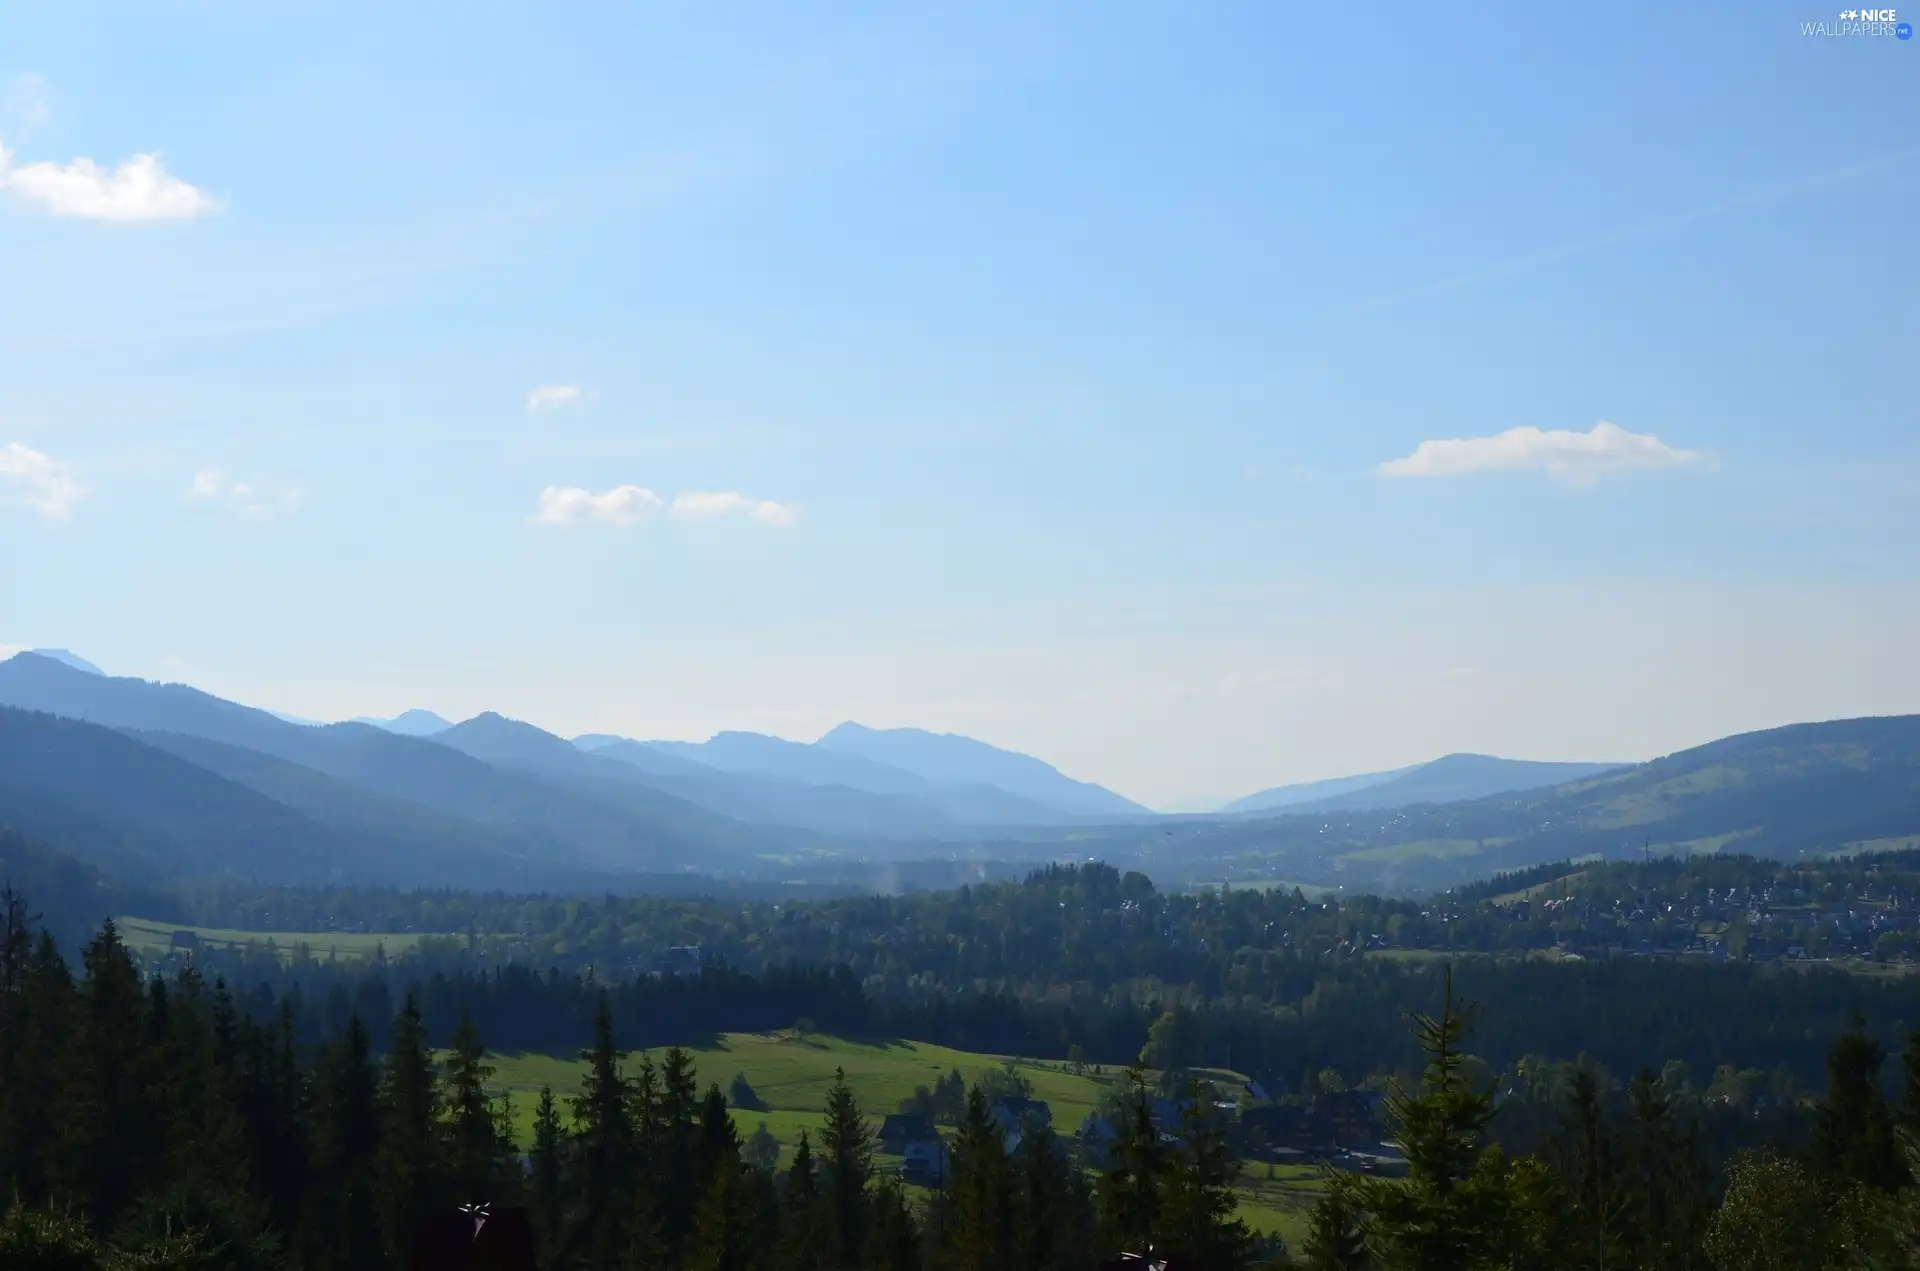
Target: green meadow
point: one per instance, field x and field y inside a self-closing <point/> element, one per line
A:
<point x="147" y="938"/>
<point x="791" y="1075"/>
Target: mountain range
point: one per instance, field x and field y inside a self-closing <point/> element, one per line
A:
<point x="163" y="783"/>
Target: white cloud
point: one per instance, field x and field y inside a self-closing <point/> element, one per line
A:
<point x="557" y="397"/>
<point x="249" y="497"/>
<point x="43" y="484"/>
<point x="631" y="504"/>
<point x="622" y="505"/>
<point x="1573" y="457"/>
<point x="697" y="505"/>
<point x="139" y="189"/>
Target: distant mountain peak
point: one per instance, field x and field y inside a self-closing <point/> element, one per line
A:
<point x="957" y="759"/>
<point x="67" y="657"/>
<point x="410" y="723"/>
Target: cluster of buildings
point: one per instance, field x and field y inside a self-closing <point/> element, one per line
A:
<point x="1342" y="1128"/>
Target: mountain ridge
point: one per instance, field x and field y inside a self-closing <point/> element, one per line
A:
<point x="1454" y="778"/>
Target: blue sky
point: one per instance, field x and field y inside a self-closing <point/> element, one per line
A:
<point x="1021" y="371"/>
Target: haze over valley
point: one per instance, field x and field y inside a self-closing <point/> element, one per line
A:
<point x="158" y="781"/>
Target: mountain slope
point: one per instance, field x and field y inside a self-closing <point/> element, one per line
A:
<point x="745" y="796"/>
<point x="758" y="755"/>
<point x="66" y="657"/>
<point x="1449" y="779"/>
<point x="455" y="844"/>
<point x="1784" y="792"/>
<point x="615" y="827"/>
<point x="951" y="759"/>
<point x="1311" y="791"/>
<point x="151" y="816"/>
<point x="71" y="897"/>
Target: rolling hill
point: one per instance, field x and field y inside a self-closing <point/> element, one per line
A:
<point x="1449" y="779"/>
<point x="943" y="804"/>
<point x="1288" y="796"/>
<point x="955" y="760"/>
<point x="611" y="771"/>
<point x="151" y="817"/>
<point x="1785" y="792"/>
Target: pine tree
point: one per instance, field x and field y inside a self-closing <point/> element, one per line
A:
<point x="1595" y="1208"/>
<point x="340" y="1229"/>
<point x="655" y="1167"/>
<point x="1910" y="1083"/>
<point x="1853" y="1137"/>
<point x="1333" y="1241"/>
<point x="411" y="1165"/>
<point x="115" y="1130"/>
<point x="848" y="1143"/>
<point x="980" y="1231"/>
<point x="719" y="1145"/>
<point x="548" y="1175"/>
<point x="1197" y="1202"/>
<point x="1054" y="1207"/>
<point x="479" y="1136"/>
<point x="720" y="1240"/>
<point x="16" y="957"/>
<point x="203" y="1186"/>
<point x="607" y="1177"/>
<point x="44" y="1024"/>
<point x="1664" y="1183"/>
<point x="274" y="1099"/>
<point x="806" y="1219"/>
<point x="677" y="1188"/>
<point x="1130" y="1191"/>
<point x="893" y="1241"/>
<point x="1459" y="1205"/>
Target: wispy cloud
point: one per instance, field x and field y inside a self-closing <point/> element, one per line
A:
<point x="557" y="397"/>
<point x="622" y="505"/>
<point x="25" y="107"/>
<point x="697" y="505"/>
<point x="1634" y="233"/>
<point x="1576" y="458"/>
<point x="631" y="504"/>
<point x="43" y="484"/>
<point x="138" y="189"/>
<point x="250" y="498"/>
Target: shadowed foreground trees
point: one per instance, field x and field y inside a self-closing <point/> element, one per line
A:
<point x="1632" y="1196"/>
<point x="153" y="1124"/>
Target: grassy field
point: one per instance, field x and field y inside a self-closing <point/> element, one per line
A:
<point x="1279" y="1205"/>
<point x="147" y="937"/>
<point x="792" y="1075"/>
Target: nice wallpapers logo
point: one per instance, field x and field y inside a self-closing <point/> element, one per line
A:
<point x="1865" y="22"/>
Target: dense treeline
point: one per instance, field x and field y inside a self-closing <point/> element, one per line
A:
<point x="1090" y="924"/>
<point x="1347" y="1015"/>
<point x="1091" y="958"/>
